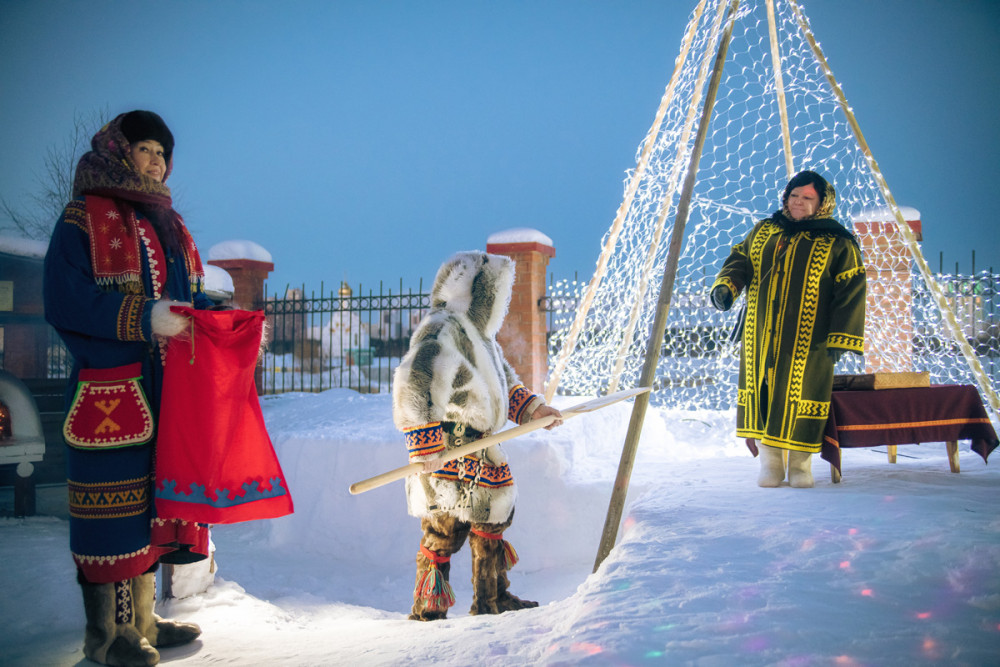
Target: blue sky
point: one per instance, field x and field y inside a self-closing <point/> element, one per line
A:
<point x="369" y="140"/>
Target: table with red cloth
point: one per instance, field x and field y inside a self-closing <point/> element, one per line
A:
<point x="939" y="413"/>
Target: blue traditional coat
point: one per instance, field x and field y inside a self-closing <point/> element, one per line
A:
<point x="104" y="270"/>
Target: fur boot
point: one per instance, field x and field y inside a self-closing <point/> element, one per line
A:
<point x="157" y="631"/>
<point x="491" y="558"/>
<point x="486" y="556"/>
<point x="111" y="637"/>
<point x="506" y="601"/>
<point x="800" y="473"/>
<point x="443" y="536"/>
<point x="772" y="466"/>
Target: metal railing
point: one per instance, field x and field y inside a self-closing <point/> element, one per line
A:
<point x="348" y="338"/>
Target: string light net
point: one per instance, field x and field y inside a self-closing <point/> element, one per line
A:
<point x="740" y="178"/>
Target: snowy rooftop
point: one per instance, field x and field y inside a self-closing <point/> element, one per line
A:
<point x="218" y="280"/>
<point x="885" y="214"/>
<point x="520" y="235"/>
<point x="239" y="249"/>
<point x="12" y="245"/>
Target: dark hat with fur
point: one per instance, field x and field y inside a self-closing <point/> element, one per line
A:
<point x="145" y="125"/>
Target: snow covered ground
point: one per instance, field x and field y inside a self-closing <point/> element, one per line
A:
<point x="897" y="565"/>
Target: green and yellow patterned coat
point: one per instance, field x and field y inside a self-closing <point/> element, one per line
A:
<point x="805" y="294"/>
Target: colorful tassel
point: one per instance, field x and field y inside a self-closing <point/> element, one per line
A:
<point x="509" y="555"/>
<point x="432" y="587"/>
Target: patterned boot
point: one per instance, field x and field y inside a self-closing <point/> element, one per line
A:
<point x="800" y="473"/>
<point x="772" y="466"/>
<point x="157" y="631"/>
<point x="432" y="593"/>
<point x="111" y="637"/>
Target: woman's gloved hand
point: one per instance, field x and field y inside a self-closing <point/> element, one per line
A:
<point x="167" y="323"/>
<point x="834" y="354"/>
<point x="722" y="298"/>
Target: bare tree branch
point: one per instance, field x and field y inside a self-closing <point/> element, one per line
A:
<point x="55" y="184"/>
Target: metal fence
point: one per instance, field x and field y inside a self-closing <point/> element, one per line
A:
<point x="348" y="338"/>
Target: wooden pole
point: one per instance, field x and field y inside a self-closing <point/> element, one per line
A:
<point x="616" y="227"/>
<point x="779" y="86"/>
<point x="909" y="239"/>
<point x="648" y="378"/>
<point x="682" y="147"/>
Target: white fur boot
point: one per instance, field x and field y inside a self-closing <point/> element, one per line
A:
<point x="800" y="473"/>
<point x="772" y="466"/>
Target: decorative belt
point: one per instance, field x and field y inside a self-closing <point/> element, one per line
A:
<point x="461" y="434"/>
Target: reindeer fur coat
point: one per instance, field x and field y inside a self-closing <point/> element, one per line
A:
<point x="455" y="373"/>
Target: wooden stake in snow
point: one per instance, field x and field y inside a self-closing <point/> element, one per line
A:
<point x="473" y="447"/>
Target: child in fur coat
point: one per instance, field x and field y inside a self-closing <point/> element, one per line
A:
<point x="452" y="387"/>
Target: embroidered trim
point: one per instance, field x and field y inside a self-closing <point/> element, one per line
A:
<point x="108" y="500"/>
<point x="850" y="273"/>
<point x="250" y="491"/>
<point x="845" y="341"/>
<point x="424" y="440"/>
<point x="76" y="214"/>
<point x="814" y="409"/>
<point x="471" y="470"/>
<point x="153" y="252"/>
<point x="114" y="247"/>
<point x="130" y="318"/>
<point x="520" y="399"/>
<point x="108" y="560"/>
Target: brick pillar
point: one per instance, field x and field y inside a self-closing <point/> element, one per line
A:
<point x="248" y="290"/>
<point x="890" y="296"/>
<point x="248" y="280"/>
<point x="522" y="336"/>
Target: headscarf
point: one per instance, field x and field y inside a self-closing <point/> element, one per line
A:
<point x="107" y="170"/>
<point x="820" y="221"/>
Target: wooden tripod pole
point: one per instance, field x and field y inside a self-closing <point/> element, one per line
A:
<point x="648" y="378"/>
<point x="639" y="297"/>
<point x="779" y="88"/>
<point x="569" y="344"/>
<point x="909" y="239"/>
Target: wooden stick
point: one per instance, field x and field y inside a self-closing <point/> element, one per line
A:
<point x="477" y="445"/>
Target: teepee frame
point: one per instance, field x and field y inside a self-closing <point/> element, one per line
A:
<point x="653" y="346"/>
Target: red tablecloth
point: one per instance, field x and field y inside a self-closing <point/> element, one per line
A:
<point x="940" y="413"/>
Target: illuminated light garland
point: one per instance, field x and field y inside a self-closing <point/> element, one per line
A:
<point x="742" y="172"/>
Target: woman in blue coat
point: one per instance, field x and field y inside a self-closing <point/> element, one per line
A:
<point x="119" y="257"/>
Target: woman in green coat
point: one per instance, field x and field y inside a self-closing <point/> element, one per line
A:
<point x="805" y="306"/>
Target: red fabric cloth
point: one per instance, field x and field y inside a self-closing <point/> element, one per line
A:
<point x="215" y="461"/>
<point x="941" y="413"/>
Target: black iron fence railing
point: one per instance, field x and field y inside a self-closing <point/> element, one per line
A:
<point x="356" y="339"/>
<point x="345" y="338"/>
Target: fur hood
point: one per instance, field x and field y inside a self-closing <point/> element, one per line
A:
<point x="476" y="285"/>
